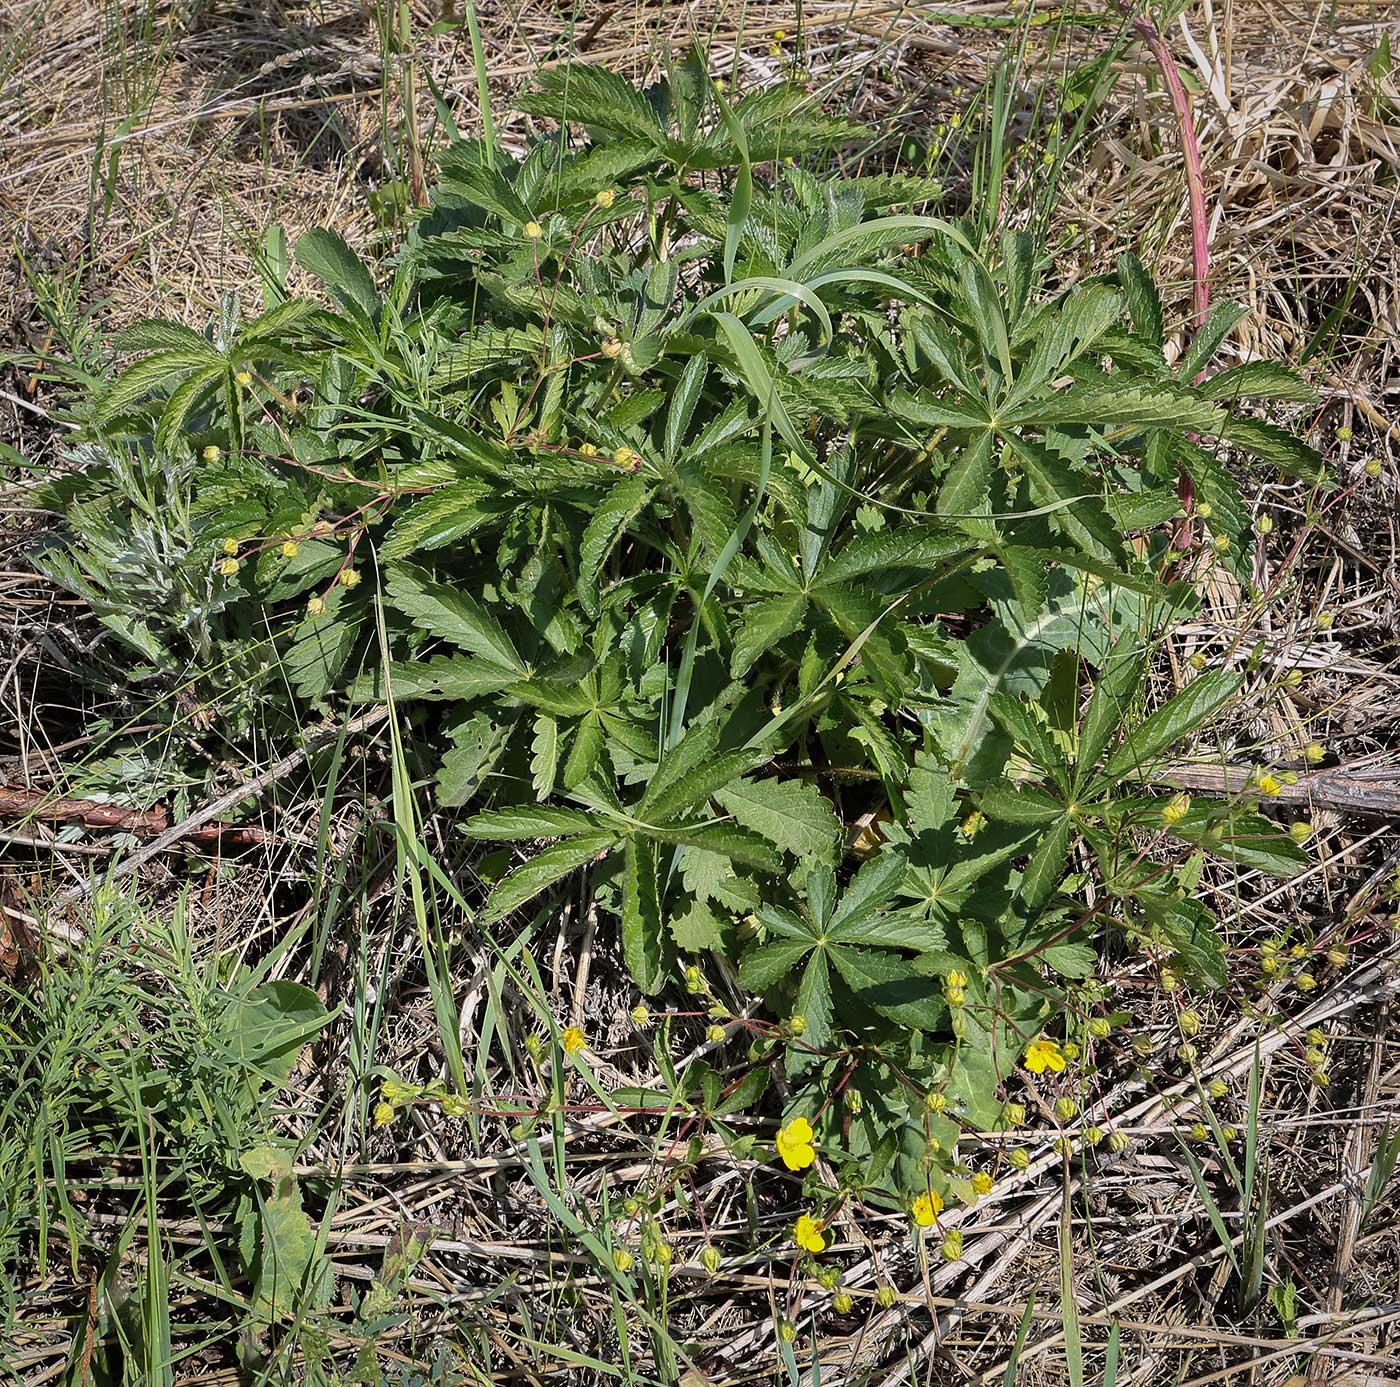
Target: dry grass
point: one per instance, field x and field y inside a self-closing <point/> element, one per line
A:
<point x="143" y="156"/>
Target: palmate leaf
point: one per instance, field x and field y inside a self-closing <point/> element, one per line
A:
<point x="770" y="963"/>
<point x="1047" y="865"/>
<point x="794" y="817"/>
<point x="1192" y="933"/>
<point x="523" y="883"/>
<point x="641" y="914"/>
<point x="966" y="489"/>
<point x="886" y="983"/>
<point x="326" y="255"/>
<point x="452" y="615"/>
<point x="1078" y="510"/>
<point x="444" y="676"/>
<point x="478" y="743"/>
<point x="449" y="514"/>
<point x="1195" y="704"/>
<point x="526" y="821"/>
<point x="618" y="509"/>
<point x="582" y="94"/>
<point x="1124" y="406"/>
<point x="1241" y="836"/>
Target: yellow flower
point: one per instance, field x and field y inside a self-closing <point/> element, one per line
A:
<point x="1268" y="785"/>
<point x="228" y="567"/>
<point x="589" y="450"/>
<point x="926" y="1209"/>
<point x="794" y="1144"/>
<point x="982" y="1183"/>
<point x="244" y="378"/>
<point x="780" y="34"/>
<point x="533" y="231"/>
<point x="807" y="1234"/>
<point x="1314" y="752"/>
<point x="606" y="198"/>
<point x="1043" y="1054"/>
<point x="230" y="546"/>
<point x="1176" y="809"/>
<point x="290" y="549"/>
<point x="384" y="1114"/>
<point x="349" y="578"/>
<point x="573" y="1040"/>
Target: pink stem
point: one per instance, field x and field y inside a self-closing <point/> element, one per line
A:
<point x="1200" y="227"/>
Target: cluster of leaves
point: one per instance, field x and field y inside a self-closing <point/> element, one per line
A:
<point x="742" y="525"/>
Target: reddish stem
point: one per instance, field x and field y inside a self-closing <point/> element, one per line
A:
<point x="1200" y="226"/>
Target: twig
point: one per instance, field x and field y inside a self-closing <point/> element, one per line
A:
<point x="218" y="807"/>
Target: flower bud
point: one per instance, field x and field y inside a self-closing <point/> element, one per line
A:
<point x="952" y="1248"/>
<point x="1186" y="1052"/>
<point x="796" y="1025"/>
<point x="1337" y="956"/>
<point x="935" y="1102"/>
<point x="1118" y="1142"/>
<point x="244" y="378"/>
<point x="787" y="1331"/>
<point x="842" y="1303"/>
<point x="1189" y="1021"/>
<point x="315" y="606"/>
<point x="1217" y="1088"/>
<point x="384" y="1114"/>
<point x="622" y="1259"/>
<point x="885" y="1296"/>
<point x="1019" y="1157"/>
<point x="715" y="1034"/>
<point x="1199" y="1131"/>
<point x="1100" y="1028"/>
<point x="1014" y="1113"/>
<point x="1306" y="982"/>
<point x="1093" y="1136"/>
<point x="710" y="1258"/>
<point x="641" y="1016"/>
<point x="212" y="453"/>
<point x="1066" y="1109"/>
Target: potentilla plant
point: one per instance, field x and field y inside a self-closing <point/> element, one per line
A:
<point x="770" y="551"/>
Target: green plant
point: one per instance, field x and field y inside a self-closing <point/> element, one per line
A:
<point x="740" y="523"/>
